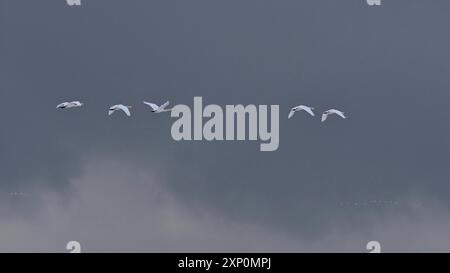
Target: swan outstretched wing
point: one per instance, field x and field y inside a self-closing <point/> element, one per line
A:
<point x="152" y="105"/>
<point x="341" y="114"/>
<point x="308" y="110"/>
<point x="337" y="112"/>
<point x="125" y="109"/>
<point x="165" y="105"/>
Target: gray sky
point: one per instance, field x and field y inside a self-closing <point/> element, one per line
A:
<point x="122" y="184"/>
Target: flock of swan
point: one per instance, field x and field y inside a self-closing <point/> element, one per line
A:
<point x="163" y="108"/>
<point x="309" y="110"/>
<point x="118" y="107"/>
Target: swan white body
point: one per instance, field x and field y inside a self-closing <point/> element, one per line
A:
<point x="307" y="109"/>
<point x="119" y="107"/>
<point x="158" y="109"/>
<point x="332" y="112"/>
<point x="67" y="105"/>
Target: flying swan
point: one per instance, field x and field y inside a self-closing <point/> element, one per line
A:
<point x="114" y="108"/>
<point x="158" y="109"/>
<point x="300" y="108"/>
<point x="331" y="112"/>
<point x="67" y="105"/>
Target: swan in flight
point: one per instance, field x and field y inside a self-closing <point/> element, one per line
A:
<point x="158" y="109"/>
<point x="72" y="104"/>
<point x="125" y="109"/>
<point x="331" y="112"/>
<point x="300" y="108"/>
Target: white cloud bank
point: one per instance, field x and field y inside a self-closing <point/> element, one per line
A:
<point x="115" y="207"/>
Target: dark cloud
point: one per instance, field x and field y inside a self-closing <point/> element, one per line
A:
<point x="386" y="67"/>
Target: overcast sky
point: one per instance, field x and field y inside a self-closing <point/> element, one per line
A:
<point x="123" y="184"/>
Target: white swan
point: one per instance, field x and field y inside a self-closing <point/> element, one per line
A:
<point x="114" y="108"/>
<point x="158" y="109"/>
<point x="72" y="104"/>
<point x="331" y="112"/>
<point x="300" y="108"/>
